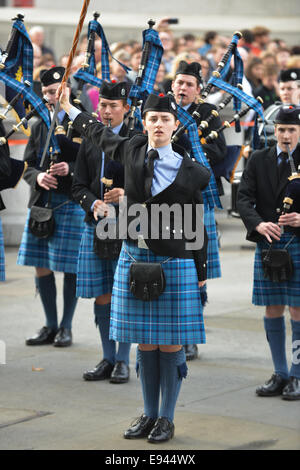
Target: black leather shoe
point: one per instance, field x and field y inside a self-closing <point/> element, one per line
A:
<point x="102" y="371"/>
<point x="272" y="387"/>
<point x="63" y="338"/>
<point x="292" y="390"/>
<point x="191" y="351"/>
<point x="44" y="336"/>
<point x="162" y="431"/>
<point x="120" y="374"/>
<point x="140" y="428"/>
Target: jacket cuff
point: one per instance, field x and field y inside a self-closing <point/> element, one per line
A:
<point x="82" y="121"/>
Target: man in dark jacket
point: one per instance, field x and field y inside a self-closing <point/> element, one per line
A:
<point x="59" y="252"/>
<point x="265" y="184"/>
<point x="187" y="89"/>
<point x="95" y="274"/>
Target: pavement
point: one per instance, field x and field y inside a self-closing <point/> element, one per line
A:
<point x="46" y="405"/>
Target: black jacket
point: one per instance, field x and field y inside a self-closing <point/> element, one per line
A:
<point x="11" y="170"/>
<point x="86" y="181"/>
<point x="32" y="156"/>
<point x="261" y="191"/>
<point x="186" y="188"/>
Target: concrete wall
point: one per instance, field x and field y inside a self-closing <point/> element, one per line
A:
<point x="258" y="8"/>
<point x="125" y="20"/>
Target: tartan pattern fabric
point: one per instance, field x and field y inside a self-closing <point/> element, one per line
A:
<point x="24" y="60"/>
<point x="240" y="94"/>
<point x="24" y="55"/>
<point x="2" y="257"/>
<point x="88" y="77"/>
<point x="89" y="74"/>
<point x="266" y="292"/>
<point x="34" y="100"/>
<point x="249" y="100"/>
<point x="176" y="317"/>
<point x="213" y="258"/>
<point x="238" y="72"/>
<point x="59" y="252"/>
<point x="94" y="276"/>
<point x="151" y="67"/>
<point x="210" y="193"/>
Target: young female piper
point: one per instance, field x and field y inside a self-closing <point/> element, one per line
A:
<point x="156" y="174"/>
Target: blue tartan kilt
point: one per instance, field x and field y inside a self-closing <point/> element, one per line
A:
<point x="2" y="257"/>
<point x="266" y="292"/>
<point x="60" y="251"/>
<point x="213" y="258"/>
<point x="176" y="317"/>
<point x="94" y="276"/>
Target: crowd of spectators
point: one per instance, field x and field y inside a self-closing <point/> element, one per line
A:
<point x="264" y="58"/>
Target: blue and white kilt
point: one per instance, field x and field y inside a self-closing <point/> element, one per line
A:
<point x="176" y="317"/>
<point x="60" y="251"/>
<point x="2" y="258"/>
<point x="94" y="276"/>
<point x="213" y="258"/>
<point x="266" y="292"/>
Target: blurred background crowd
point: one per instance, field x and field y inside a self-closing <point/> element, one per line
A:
<point x="264" y="59"/>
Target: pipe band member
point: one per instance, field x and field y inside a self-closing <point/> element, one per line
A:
<point x="260" y="199"/>
<point x="59" y="252"/>
<point x="156" y="173"/>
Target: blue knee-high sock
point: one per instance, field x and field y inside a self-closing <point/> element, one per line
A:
<point x="70" y="300"/>
<point x="295" y="369"/>
<point x="148" y="370"/>
<point x="172" y="370"/>
<point x="102" y="320"/>
<point x="275" y="331"/>
<point x="123" y="352"/>
<point x="47" y="290"/>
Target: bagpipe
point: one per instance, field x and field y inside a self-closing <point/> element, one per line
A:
<point x="278" y="264"/>
<point x="88" y="73"/>
<point x="194" y="125"/>
<point x="16" y="128"/>
<point x="152" y="52"/>
<point x="16" y="67"/>
<point x="227" y="124"/>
